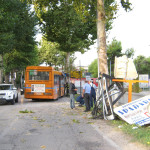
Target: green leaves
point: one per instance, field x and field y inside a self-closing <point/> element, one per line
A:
<point x="50" y="53"/>
<point x="63" y="25"/>
<point x="93" y="68"/>
<point x="17" y="31"/>
<point x="114" y="49"/>
<point x="142" y="64"/>
<point x="126" y="5"/>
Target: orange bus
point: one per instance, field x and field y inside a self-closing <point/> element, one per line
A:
<point x="43" y="83"/>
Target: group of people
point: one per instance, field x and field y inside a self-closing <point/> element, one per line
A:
<point x="88" y="96"/>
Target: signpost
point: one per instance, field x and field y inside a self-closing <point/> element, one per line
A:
<point x="130" y="86"/>
<point x="125" y="69"/>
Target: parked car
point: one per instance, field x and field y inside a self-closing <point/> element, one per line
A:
<point x="8" y="93"/>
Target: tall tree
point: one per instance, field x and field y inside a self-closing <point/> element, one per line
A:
<point x="129" y="52"/>
<point x="50" y="53"/>
<point x="105" y="14"/>
<point x="71" y="32"/>
<point x="101" y="34"/>
<point x="142" y="64"/>
<point x="93" y="69"/>
<point x="20" y="50"/>
<point x="8" y="18"/>
<point x="113" y="49"/>
<point x="77" y="30"/>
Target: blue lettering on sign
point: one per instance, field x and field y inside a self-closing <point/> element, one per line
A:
<point x="130" y="108"/>
<point x="141" y="104"/>
<point x="146" y="120"/>
<point x="120" y="112"/>
<point x="133" y="107"/>
<point x="125" y="110"/>
<point x="146" y="102"/>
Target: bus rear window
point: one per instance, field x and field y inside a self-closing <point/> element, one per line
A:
<point x="38" y="75"/>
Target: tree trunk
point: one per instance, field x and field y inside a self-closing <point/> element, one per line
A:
<point x="6" y="78"/>
<point x="1" y="69"/>
<point x="101" y="38"/>
<point x="1" y="76"/>
<point x="67" y="62"/>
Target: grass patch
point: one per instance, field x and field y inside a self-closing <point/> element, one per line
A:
<point x="76" y="121"/>
<point x="75" y="96"/>
<point x="140" y="134"/>
<point x="80" y="132"/>
<point x="26" y="111"/>
<point x="41" y="120"/>
<point x="90" y="123"/>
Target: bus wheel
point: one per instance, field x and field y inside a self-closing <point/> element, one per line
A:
<point x="33" y="99"/>
<point x="13" y="101"/>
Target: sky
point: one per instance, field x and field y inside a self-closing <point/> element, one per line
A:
<point x="131" y="28"/>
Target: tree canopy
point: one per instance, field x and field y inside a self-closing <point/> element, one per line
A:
<point x="72" y="23"/>
<point x="142" y="64"/>
<point x="62" y="24"/>
<point x="17" y="28"/>
<point x="93" y="68"/>
<point x="7" y="24"/>
<point x="50" y="53"/>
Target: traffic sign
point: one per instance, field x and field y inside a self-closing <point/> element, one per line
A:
<point x="76" y="74"/>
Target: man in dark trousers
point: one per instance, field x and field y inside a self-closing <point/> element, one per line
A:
<point x="73" y="91"/>
<point x="86" y="94"/>
<point x="80" y="100"/>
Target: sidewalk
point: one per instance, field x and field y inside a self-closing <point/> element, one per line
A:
<point x="135" y="96"/>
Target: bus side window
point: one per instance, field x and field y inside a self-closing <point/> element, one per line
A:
<point x="56" y="79"/>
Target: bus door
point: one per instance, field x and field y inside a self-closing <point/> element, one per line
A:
<point x="59" y="86"/>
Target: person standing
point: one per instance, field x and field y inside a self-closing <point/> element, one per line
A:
<point x="93" y="93"/>
<point x="86" y="94"/>
<point x="72" y="90"/>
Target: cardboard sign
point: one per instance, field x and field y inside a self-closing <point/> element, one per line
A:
<point x="125" y="68"/>
<point x="136" y="112"/>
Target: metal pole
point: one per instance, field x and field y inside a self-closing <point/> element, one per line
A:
<point x="80" y="76"/>
<point x="110" y="70"/>
<point x="110" y="67"/>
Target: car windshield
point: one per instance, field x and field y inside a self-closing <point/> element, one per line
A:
<point x="6" y="87"/>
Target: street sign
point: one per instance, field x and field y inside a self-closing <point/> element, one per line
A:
<point x="88" y="78"/>
<point x="76" y="74"/>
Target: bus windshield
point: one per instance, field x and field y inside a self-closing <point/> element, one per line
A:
<point x="38" y="75"/>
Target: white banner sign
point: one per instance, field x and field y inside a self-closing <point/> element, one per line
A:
<point x="37" y="87"/>
<point x="144" y="77"/>
<point x="77" y="83"/>
<point x="135" y="112"/>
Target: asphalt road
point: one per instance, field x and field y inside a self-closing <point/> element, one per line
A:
<point x="51" y="126"/>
